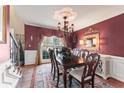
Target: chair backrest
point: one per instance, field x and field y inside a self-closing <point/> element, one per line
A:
<point x="76" y="51"/>
<point x="92" y="61"/>
<point x="84" y="53"/>
<point x="55" y="60"/>
<point x="56" y="51"/>
<point x="50" y="51"/>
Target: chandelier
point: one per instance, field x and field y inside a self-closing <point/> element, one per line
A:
<point x="65" y="17"/>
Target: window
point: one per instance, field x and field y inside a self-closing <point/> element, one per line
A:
<point x="45" y="54"/>
<point x="50" y="42"/>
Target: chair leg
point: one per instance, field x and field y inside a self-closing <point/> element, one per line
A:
<point x="70" y="80"/>
<point x="57" y="80"/>
<point x="51" y="67"/>
<point x="92" y="83"/>
<point x="54" y="71"/>
<point x="82" y="85"/>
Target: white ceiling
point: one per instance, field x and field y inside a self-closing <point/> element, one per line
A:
<point x="43" y="15"/>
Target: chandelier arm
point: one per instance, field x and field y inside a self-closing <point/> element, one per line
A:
<point x="65" y="16"/>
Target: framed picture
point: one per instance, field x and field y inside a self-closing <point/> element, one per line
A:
<point x="3" y="24"/>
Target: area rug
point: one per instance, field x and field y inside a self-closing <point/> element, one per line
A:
<point x="43" y="79"/>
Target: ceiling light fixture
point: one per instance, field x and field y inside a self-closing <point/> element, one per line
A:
<point x="65" y="17"/>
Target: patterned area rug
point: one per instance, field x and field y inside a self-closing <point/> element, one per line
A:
<point x="43" y="79"/>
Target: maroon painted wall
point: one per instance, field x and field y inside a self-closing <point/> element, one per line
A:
<point x="37" y="33"/>
<point x="111" y="35"/>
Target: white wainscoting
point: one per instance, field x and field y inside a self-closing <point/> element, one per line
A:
<point x="117" y="67"/>
<point x="30" y="56"/>
<point x="113" y="66"/>
<point x="104" y="67"/>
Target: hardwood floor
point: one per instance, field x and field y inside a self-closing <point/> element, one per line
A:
<point x="26" y="81"/>
<point x="29" y="73"/>
<point x="115" y="83"/>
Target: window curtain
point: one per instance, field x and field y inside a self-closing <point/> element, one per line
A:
<point x="48" y="33"/>
<point x="68" y="41"/>
<point x="38" y="60"/>
<point x="38" y="55"/>
<point x="63" y="41"/>
<point x="74" y="40"/>
<point x="71" y="40"/>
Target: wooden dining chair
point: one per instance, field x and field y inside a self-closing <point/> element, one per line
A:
<point x="84" y="53"/>
<point x="76" y="52"/>
<point x="51" y="55"/>
<point x="51" y="58"/>
<point x="86" y="73"/>
<point x="58" y="68"/>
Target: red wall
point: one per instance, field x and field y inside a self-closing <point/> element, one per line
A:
<point x="111" y="35"/>
<point x="37" y="33"/>
<point x="5" y="48"/>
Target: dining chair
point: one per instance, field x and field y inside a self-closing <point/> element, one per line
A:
<point x="51" y="51"/>
<point x="58" y="67"/>
<point x="75" y="52"/>
<point x="62" y="56"/>
<point x="51" y="58"/>
<point x="86" y="73"/>
<point x="84" y="53"/>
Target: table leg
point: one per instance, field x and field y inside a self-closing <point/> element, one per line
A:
<point x="65" y="78"/>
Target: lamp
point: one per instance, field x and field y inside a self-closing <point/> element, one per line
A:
<point x="65" y="17"/>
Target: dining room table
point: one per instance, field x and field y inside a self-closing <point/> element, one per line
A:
<point x="69" y="63"/>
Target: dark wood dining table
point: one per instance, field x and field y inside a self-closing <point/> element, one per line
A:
<point x="69" y="63"/>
